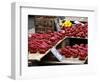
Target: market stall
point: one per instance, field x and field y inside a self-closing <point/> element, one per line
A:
<point x="57" y="40"/>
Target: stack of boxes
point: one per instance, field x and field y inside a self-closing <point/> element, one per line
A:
<point x="44" y="24"/>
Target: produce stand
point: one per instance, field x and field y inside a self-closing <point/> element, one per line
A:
<point x="43" y="26"/>
<point x="38" y="56"/>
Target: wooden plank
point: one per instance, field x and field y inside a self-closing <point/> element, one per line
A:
<point x="69" y="61"/>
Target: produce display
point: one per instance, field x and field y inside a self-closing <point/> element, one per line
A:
<point x="69" y="38"/>
<point x="75" y="51"/>
<point x="77" y="30"/>
<point x="42" y="42"/>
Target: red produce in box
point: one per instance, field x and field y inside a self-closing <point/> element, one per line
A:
<point x="59" y="34"/>
<point x="57" y="37"/>
<point x="82" y="53"/>
<point x="75" y="46"/>
<point x="78" y="25"/>
<point x="63" y="51"/>
<point x="75" y="55"/>
<point x="51" y="34"/>
<point x="48" y="42"/>
<point x="72" y="30"/>
<point x="86" y="45"/>
<point x="42" y="51"/>
<point x="75" y="51"/>
<point x="62" y="32"/>
<point x="52" y="39"/>
<point x="74" y="34"/>
<point x="69" y="34"/>
<point x="78" y="35"/>
<point x="67" y="47"/>
<point x="82" y="45"/>
<point x="82" y="58"/>
<point x="46" y="36"/>
<point x="32" y="48"/>
<point x="43" y="47"/>
<point x="68" y="55"/>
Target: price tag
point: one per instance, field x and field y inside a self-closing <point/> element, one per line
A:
<point x="56" y="54"/>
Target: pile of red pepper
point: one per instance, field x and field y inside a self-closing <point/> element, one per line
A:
<point x="77" y="30"/>
<point x="75" y="51"/>
<point x="42" y="42"/>
<point x="38" y="42"/>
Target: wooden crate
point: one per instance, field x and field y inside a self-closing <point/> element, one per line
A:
<point x="43" y="24"/>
